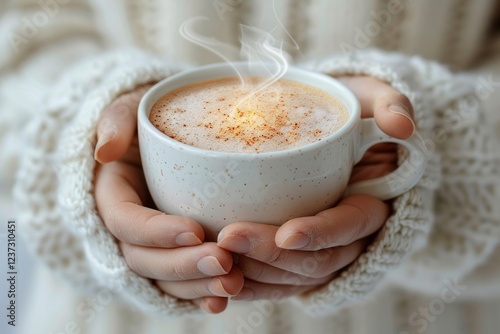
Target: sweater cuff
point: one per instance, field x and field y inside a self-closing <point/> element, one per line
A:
<point x="56" y="180"/>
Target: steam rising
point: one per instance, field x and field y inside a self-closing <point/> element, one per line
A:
<point x="257" y="47"/>
<point x="260" y="47"/>
<point x="223" y="50"/>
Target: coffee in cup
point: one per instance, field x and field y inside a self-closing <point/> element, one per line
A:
<point x="228" y="115"/>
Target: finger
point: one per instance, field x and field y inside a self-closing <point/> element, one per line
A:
<point x="178" y="264"/>
<point x="132" y="156"/>
<point x="264" y="273"/>
<point x="380" y="153"/>
<point x="212" y="305"/>
<point x="117" y="126"/>
<point x="257" y="242"/>
<point x="393" y="114"/>
<point x="255" y="290"/>
<point x="392" y="110"/>
<point x="119" y="192"/>
<point x="369" y="172"/>
<point x="220" y="286"/>
<point x="355" y="217"/>
<point x="378" y="161"/>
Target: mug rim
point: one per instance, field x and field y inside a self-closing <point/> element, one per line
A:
<point x="352" y="106"/>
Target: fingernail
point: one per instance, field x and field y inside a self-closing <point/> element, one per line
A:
<point x="205" y="306"/>
<point x="209" y="265"/>
<point x="220" y="236"/>
<point x="234" y="243"/>
<point x="400" y="109"/>
<point x="217" y="289"/>
<point x="187" y="239"/>
<point x="295" y="241"/>
<point x="244" y="294"/>
<point x="105" y="136"/>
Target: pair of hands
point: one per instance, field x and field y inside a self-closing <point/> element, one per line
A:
<point x="272" y="262"/>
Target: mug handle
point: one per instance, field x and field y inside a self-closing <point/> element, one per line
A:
<point x="403" y="178"/>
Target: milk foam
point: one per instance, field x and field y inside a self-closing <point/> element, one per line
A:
<point x="223" y="115"/>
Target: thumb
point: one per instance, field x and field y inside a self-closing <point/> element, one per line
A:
<point x="393" y="114"/>
<point x="117" y="126"/>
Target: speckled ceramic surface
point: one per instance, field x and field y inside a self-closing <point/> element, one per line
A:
<point x="218" y="188"/>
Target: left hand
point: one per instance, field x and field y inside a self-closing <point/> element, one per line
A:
<point x="306" y="252"/>
<point x="168" y="250"/>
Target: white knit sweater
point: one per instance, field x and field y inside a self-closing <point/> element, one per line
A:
<point x="444" y="230"/>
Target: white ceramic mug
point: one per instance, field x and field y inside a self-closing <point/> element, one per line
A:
<point x="219" y="188"/>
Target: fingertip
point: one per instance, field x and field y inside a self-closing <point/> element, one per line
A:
<point x="291" y="236"/>
<point x="184" y="239"/>
<point x="104" y="151"/>
<point x="295" y="240"/>
<point x="194" y="233"/>
<point x="116" y="129"/>
<point x="393" y="114"/>
<point x="232" y="282"/>
<point x="404" y="119"/>
<point x="111" y="144"/>
<point x="213" y="305"/>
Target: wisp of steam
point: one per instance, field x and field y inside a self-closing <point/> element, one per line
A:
<point x="225" y="51"/>
<point x="257" y="47"/>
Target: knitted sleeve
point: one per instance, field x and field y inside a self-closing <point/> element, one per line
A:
<point x="54" y="186"/>
<point x="38" y="41"/>
<point x="448" y="224"/>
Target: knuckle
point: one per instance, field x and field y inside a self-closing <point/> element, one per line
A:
<point x="149" y="235"/>
<point x="111" y="219"/>
<point x="187" y="223"/>
<point x="361" y="223"/>
<point x="120" y="109"/>
<point x="277" y="256"/>
<point x="134" y="227"/>
<point x="200" y="290"/>
<point x="156" y="240"/>
<point x="255" y="272"/>
<point x="179" y="271"/>
<point x="126" y="230"/>
<point x="105" y="123"/>
<point x="359" y="228"/>
<point x="327" y="266"/>
<point x="130" y="254"/>
<point x="321" y="238"/>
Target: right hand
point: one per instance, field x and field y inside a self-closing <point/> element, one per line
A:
<point x="165" y="248"/>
